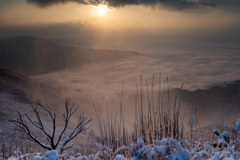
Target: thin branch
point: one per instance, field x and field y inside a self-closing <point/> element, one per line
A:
<point x="22" y="126"/>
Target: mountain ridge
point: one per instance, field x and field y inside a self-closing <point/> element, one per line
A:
<point x="31" y="55"/>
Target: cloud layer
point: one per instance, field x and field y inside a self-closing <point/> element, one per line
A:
<point x="88" y="36"/>
<point x="196" y="69"/>
<point x="169" y="4"/>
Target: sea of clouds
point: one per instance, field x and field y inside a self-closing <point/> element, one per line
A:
<point x="197" y="69"/>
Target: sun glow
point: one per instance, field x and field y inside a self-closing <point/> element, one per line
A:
<point x="101" y="10"/>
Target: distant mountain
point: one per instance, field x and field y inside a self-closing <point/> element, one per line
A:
<point x="34" y="55"/>
<point x="220" y="102"/>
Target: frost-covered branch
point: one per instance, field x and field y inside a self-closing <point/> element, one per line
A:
<point x="21" y="125"/>
<point x="69" y="112"/>
<point x="78" y="129"/>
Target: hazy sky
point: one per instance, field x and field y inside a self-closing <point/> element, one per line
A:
<point x="124" y="24"/>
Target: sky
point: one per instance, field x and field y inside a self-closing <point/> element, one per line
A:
<point x="140" y="25"/>
<point x="196" y="42"/>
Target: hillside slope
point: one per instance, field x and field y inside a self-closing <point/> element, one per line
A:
<point x="16" y="92"/>
<point x="34" y="55"/>
<point x="219" y="103"/>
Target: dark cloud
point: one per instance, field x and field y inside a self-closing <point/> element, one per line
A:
<point x="208" y="4"/>
<point x="45" y="3"/>
<point x="170" y="4"/>
<point x="228" y="3"/>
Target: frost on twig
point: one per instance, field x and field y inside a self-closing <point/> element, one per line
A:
<point x="23" y="126"/>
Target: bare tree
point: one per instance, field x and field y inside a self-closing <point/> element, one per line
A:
<point x="23" y="126"/>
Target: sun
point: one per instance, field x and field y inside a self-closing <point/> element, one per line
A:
<point x="101" y="9"/>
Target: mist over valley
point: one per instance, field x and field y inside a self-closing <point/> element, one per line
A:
<point x="85" y="75"/>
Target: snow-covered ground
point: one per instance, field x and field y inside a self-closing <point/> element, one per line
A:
<point x="167" y="148"/>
